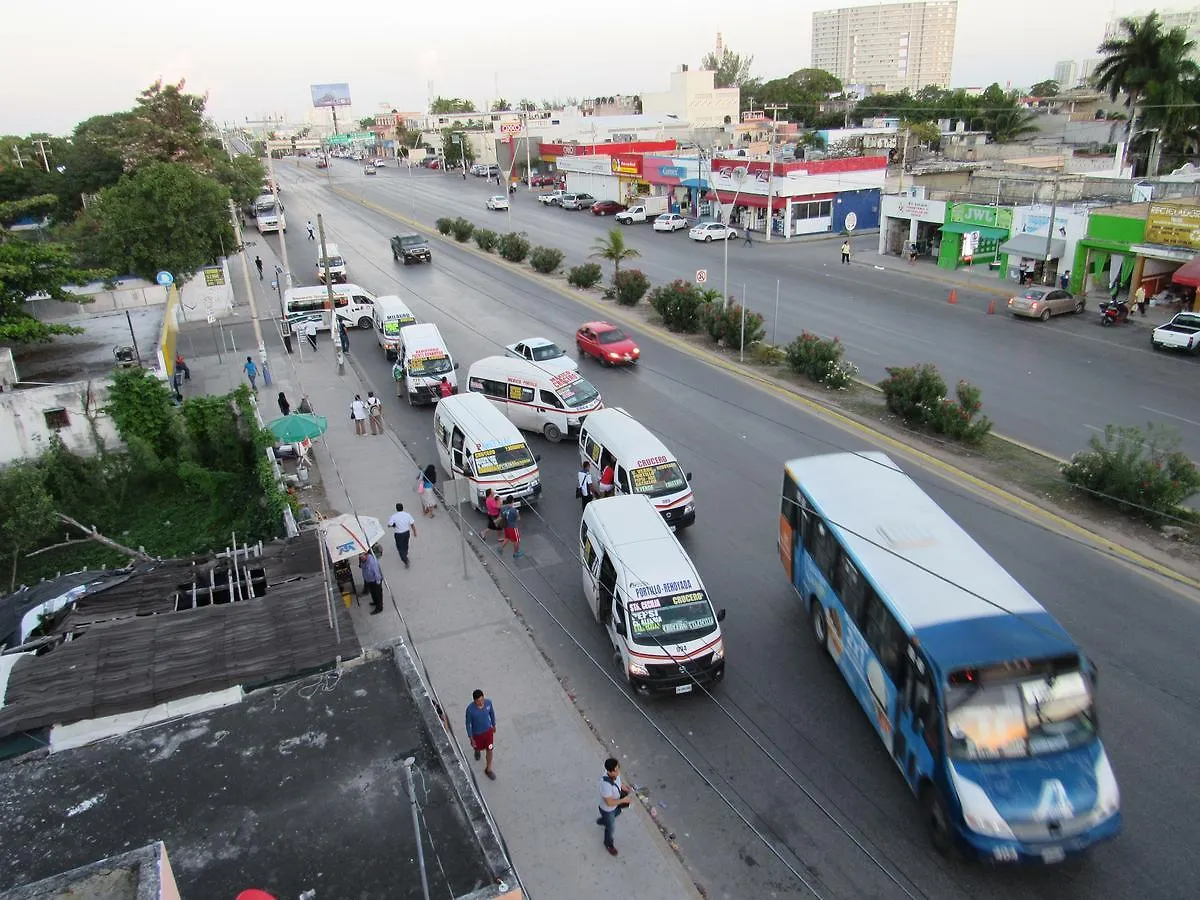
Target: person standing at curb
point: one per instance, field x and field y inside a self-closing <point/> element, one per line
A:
<point x="748" y="242"/>
<point x="481" y="729"/>
<point x="310" y="333"/>
<point x="372" y="577"/>
<point x="375" y="413"/>
<point x="398" y="377"/>
<point x="358" y="414"/>
<point x="258" y="265"/>
<point x="583" y="484"/>
<point x="511" y="517"/>
<point x="251" y="373"/>
<point x="846" y="252"/>
<point x="285" y="408"/>
<point x="404" y="526"/>
<point x="343" y="337"/>
<point x="491" y="505"/>
<point x="614" y="797"/>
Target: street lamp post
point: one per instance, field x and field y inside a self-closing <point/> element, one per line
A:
<point x="739" y="176"/>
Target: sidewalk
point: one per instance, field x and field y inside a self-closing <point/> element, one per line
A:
<point x="548" y="763"/>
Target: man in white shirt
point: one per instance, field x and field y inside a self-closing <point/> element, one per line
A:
<point x="404" y="526"/>
<point x="375" y="412"/>
<point x="583" y="484"/>
<point x="310" y="332"/>
<point x="614" y="797"/>
<point x="358" y="412"/>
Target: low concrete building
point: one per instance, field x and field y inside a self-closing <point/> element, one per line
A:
<point x="694" y="97"/>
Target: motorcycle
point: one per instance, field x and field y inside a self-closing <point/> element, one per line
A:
<point x="1114" y="312"/>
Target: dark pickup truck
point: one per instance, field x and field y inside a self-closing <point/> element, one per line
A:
<point x="411" y="248"/>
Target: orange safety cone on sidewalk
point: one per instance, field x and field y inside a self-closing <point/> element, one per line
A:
<point x="991" y="307"/>
<point x="953" y="295"/>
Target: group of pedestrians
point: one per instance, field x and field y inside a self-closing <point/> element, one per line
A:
<point x="364" y="411"/>
<point x="503" y="519"/>
<point x="589" y="488"/>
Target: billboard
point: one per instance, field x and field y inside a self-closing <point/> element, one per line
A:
<point x="330" y="94"/>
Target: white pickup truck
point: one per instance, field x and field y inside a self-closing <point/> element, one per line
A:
<point x="1181" y="333"/>
<point x="642" y="209"/>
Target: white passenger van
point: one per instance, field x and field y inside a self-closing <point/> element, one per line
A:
<point x="642" y="587"/>
<point x="534" y="399"/>
<point x="475" y="442"/>
<point x="426" y="361"/>
<point x="337" y="264"/>
<point x="641" y="464"/>
<point x="355" y="305"/>
<point x="390" y="315"/>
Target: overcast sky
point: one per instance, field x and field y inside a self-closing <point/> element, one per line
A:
<point x="80" y="58"/>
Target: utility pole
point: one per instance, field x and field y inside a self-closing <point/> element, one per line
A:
<point x="17" y="154"/>
<point x="330" y="299"/>
<point x="258" y="335"/>
<point x="528" y="170"/>
<point x="773" y="108"/>
<point x="287" y="269"/>
<point x="41" y="145"/>
<point x="1049" y="232"/>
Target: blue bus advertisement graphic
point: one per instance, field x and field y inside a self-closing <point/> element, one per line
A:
<point x="986" y="707"/>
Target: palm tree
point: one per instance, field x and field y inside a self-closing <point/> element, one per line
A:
<point x="613" y="248"/>
<point x="1010" y="124"/>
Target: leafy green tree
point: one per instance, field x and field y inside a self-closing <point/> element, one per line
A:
<point x="451" y="105"/>
<point x="27" y="514"/>
<point x="141" y="408"/>
<point x="613" y="248"/>
<point x="366" y="123"/>
<point x="164" y="216"/>
<point x="501" y="105"/>
<point x="526" y="105"/>
<point x="456" y="148"/>
<point x="167" y="125"/>
<point x="732" y="69"/>
<point x="1007" y="125"/>
<point x="1047" y="88"/>
<point x="242" y="176"/>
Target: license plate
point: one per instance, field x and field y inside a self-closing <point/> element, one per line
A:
<point x="1053" y="855"/>
<point x="684" y="688"/>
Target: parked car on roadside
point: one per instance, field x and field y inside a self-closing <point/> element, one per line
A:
<point x="670" y="222"/>
<point x="554" y="198"/>
<point x="607" y="207"/>
<point x="539" y="180"/>
<point x="1042" y="302"/>
<point x="709" y="231"/>
<point x="1181" y="333"/>
<point x="576" y="201"/>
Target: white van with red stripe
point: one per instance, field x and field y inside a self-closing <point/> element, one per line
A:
<point x="643" y="588"/>
<point x="641" y="464"/>
<point x="533" y="398"/>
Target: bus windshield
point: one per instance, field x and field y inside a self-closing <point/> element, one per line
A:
<point x="676" y="618"/>
<point x="657" y="480"/>
<point x="430" y="365"/>
<point x="1017" y="719"/>
<point x="503" y="459"/>
<point x="579" y="392"/>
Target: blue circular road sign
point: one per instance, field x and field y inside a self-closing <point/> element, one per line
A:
<point x="164" y="278"/>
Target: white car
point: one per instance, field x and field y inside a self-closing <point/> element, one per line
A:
<point x="707" y="231"/>
<point x="379" y="161"/>
<point x="670" y="222"/>
<point x="497" y="202"/>
<point x="546" y="354"/>
<point x="552" y="198"/>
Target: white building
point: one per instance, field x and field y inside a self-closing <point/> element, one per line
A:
<point x="1066" y="74"/>
<point x="1187" y="19"/>
<point x="694" y="99"/>
<point x="898" y="45"/>
<point x="1087" y="68"/>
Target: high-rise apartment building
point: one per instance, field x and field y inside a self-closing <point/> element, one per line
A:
<point x="1187" y="19"/>
<point x="896" y="45"/>
<point x="1066" y="74"/>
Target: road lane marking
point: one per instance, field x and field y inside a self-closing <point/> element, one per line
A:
<point x="928" y="461"/>
<point x="1171" y="415"/>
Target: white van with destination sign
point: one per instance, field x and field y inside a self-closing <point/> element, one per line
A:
<point x="641" y="464"/>
<point x="390" y="315"/>
<point x="355" y="306"/>
<point x="337" y="264"/>
<point x="476" y="442"/>
<point x="643" y="588"/>
<point x="426" y="361"/>
<point x="534" y="399"/>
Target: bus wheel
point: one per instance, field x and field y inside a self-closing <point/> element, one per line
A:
<point x="553" y="435"/>
<point x="937" y="820"/>
<point x="820" y="626"/>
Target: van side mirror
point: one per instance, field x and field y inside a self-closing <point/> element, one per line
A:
<point x="456" y="365"/>
<point x="688" y="476"/>
<point x="720" y="615"/>
<point x="620" y="627"/>
<point x="537" y="457"/>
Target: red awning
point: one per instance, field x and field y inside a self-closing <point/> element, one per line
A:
<point x="759" y="201"/>
<point x="1188" y="273"/>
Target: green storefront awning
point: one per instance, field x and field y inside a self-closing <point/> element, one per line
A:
<point x="994" y="234"/>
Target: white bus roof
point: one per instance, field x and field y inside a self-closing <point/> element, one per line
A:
<point x="483" y="424"/>
<point x="627" y="438"/>
<point x="651" y="553"/>
<point x="926" y="565"/>
<point x="320" y="290"/>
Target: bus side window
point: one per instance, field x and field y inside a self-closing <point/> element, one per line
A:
<point x="851" y="587"/>
<point x="884" y="635"/>
<point x="790" y="508"/>
<point x="823" y="546"/>
<point x="456" y="444"/>
<point x="549" y="398"/>
<point x="583" y="532"/>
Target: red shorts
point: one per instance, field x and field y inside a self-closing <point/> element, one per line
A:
<point x="510" y="534"/>
<point x="483" y="741"/>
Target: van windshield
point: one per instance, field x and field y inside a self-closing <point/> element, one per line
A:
<point x="430" y="365"/>
<point x="392" y="327"/>
<point x="334" y="262"/>
<point x="657" y="480"/>
<point x="677" y="618"/>
<point x="579" y="392"/>
<point x="498" y="460"/>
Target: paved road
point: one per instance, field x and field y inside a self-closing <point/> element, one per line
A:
<point x="781" y="740"/>
<point x="1052" y="385"/>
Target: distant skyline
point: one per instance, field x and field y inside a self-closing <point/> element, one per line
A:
<point x="252" y="60"/>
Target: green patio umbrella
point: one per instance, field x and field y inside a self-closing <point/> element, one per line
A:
<point x="292" y="429"/>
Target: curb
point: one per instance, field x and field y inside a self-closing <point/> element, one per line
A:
<point x="924" y="459"/>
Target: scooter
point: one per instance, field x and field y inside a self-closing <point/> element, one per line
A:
<point x="1115" y="312"/>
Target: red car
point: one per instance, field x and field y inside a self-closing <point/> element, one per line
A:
<point x="606" y="207"/>
<point x="606" y="343"/>
<point x="540" y="180"/>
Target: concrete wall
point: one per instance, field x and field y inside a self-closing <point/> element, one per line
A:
<point x="210" y="286"/>
<point x="25" y="432"/>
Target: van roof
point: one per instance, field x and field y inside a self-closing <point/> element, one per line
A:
<point x="318" y="290"/>
<point x="485" y="425"/>
<point x="389" y="302"/>
<point x="510" y="365"/>
<point x="423" y="334"/>
<point x="650" y="552"/>
<point x="627" y="438"/>
<point x="331" y="249"/>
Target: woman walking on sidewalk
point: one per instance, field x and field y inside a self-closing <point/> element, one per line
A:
<point x="491" y="505"/>
<point x="425" y="482"/>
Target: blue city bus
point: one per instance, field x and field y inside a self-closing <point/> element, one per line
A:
<point x="982" y="699"/>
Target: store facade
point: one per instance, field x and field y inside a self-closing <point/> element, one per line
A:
<point x="911" y="219"/>
<point x="678" y="179"/>
<point x="1039" y="249"/>
<point x="628" y="167"/>
<point x="972" y="234"/>
<point x="591" y="174"/>
<point x="1106" y="254"/>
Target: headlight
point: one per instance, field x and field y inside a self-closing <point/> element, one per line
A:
<point x="638" y="669"/>
<point x="719" y="651"/>
<point x="1104" y="810"/>
<point x="691" y="507"/>
<point x="534" y="483"/>
<point x="636" y="351"/>
<point x="612" y="355"/>
<point x="989" y="826"/>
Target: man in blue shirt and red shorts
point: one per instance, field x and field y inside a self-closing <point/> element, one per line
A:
<point x="481" y="729"/>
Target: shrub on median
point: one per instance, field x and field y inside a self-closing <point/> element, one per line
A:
<point x="678" y="305"/>
<point x="917" y="394"/>
<point x="485" y="239"/>
<point x="723" y="323"/>
<point x="1135" y="467"/>
<point x="462" y="229"/>
<point x="821" y="360"/>
<point x="586" y="276"/>
<point x="444" y="225"/>
<point x="630" y="286"/>
<point x="545" y="259"/>
<point x="513" y="246"/>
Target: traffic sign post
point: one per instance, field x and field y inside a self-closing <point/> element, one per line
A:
<point x="701" y="276"/>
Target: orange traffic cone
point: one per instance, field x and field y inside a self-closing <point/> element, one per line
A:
<point x="991" y="307"/>
<point x="953" y="296"/>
